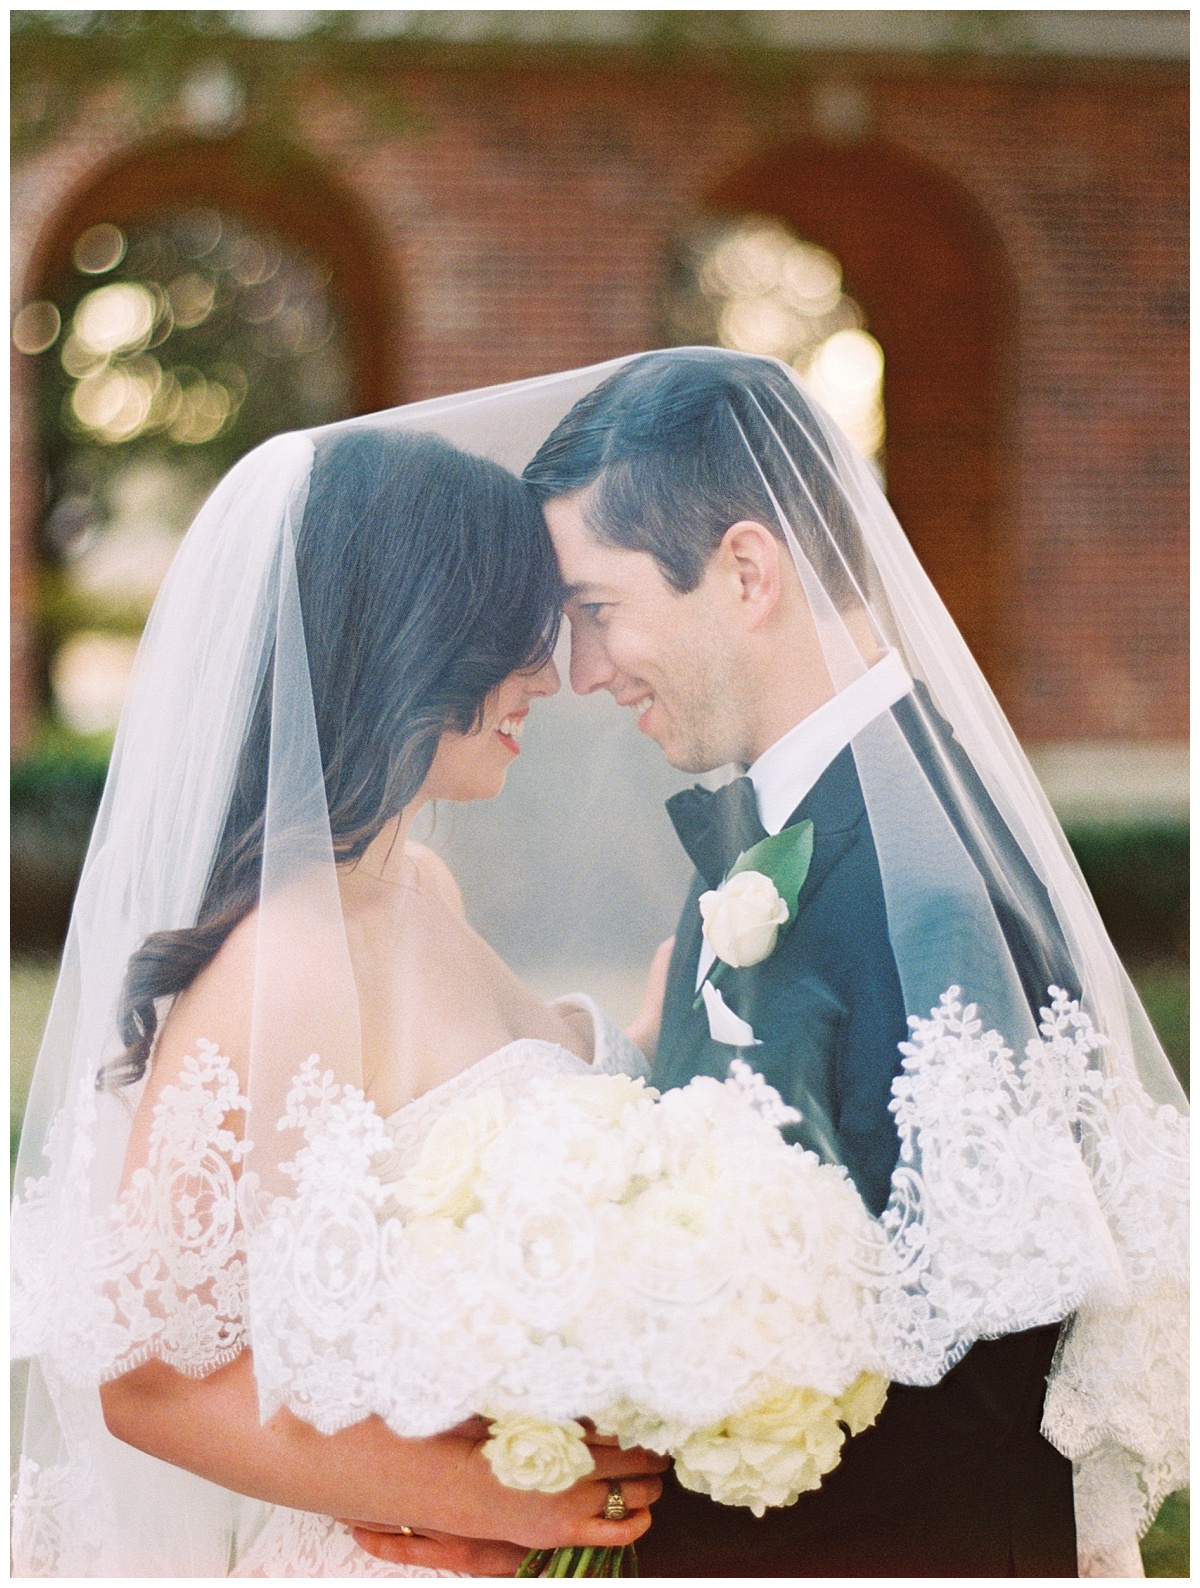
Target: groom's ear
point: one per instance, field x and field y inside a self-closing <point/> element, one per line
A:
<point x="750" y="559"/>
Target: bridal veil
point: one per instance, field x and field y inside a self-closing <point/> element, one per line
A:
<point x="1042" y="1135"/>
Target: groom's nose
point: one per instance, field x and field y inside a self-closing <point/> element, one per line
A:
<point x="590" y="666"/>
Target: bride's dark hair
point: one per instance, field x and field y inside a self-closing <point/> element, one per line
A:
<point x="426" y="577"/>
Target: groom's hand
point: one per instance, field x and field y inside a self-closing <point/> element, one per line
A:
<point x="465" y="1557"/>
<point x="646" y="1027"/>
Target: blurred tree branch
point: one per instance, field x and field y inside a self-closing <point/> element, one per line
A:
<point x="269" y="58"/>
<point x="60" y="57"/>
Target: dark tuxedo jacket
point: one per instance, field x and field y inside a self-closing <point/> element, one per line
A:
<point x="954" y="1480"/>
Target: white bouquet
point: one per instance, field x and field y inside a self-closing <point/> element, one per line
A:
<point x="578" y="1246"/>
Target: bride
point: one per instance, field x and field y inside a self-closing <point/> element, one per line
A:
<point x="357" y="625"/>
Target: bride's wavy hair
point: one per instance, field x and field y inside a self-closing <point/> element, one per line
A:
<point x="426" y="577"/>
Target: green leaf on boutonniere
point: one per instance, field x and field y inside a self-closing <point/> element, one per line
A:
<point x="784" y="858"/>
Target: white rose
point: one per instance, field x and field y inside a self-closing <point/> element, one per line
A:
<point x="677" y="1242"/>
<point x="742" y="918"/>
<point x="442" y="1181"/>
<point x="861" y="1404"/>
<point x="632" y="1425"/>
<point x="526" y="1453"/>
<point x="767" y="1455"/>
<point x="606" y="1097"/>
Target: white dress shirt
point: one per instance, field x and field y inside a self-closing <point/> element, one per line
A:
<point x="788" y="770"/>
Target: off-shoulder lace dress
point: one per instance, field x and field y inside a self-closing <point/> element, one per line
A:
<point x="279" y="1542"/>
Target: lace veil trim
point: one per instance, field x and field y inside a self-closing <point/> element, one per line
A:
<point x="1026" y="1193"/>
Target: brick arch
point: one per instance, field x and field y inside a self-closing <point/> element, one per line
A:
<point x="923" y="262"/>
<point x="286" y="191"/>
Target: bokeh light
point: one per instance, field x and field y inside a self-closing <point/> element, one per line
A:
<point x="192" y="296"/>
<point x="98" y="249"/>
<point x="36" y="327"/>
<point x="115" y="318"/>
<point x="846" y="374"/>
<point x="753" y="285"/>
<point x="89" y="676"/>
<point x="205" y="337"/>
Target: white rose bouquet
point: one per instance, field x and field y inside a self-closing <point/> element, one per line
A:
<point x="577" y="1246"/>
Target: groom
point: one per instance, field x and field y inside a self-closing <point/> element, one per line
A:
<point x="684" y="603"/>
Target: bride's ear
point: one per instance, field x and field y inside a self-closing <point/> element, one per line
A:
<point x="750" y="556"/>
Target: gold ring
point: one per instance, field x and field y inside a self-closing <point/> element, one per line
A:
<point x="615" y="1508"/>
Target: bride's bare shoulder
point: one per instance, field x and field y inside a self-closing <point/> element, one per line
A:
<point x="217" y="1006"/>
<point x="434" y="871"/>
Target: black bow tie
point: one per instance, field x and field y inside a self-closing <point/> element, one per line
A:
<point x="715" y="827"/>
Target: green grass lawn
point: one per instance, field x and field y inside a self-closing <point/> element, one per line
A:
<point x="1163" y="989"/>
<point x="1166" y="1548"/>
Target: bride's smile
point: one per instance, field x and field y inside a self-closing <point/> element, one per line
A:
<point x="473" y="766"/>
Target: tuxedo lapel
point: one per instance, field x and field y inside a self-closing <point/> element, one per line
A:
<point x="684" y="1040"/>
<point x="834" y="805"/>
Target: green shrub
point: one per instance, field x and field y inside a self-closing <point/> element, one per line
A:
<point x="1138" y="874"/>
<point x="1137" y="871"/>
<point x="54" y="793"/>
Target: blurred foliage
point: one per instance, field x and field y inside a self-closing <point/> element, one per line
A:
<point x="1139" y="876"/>
<point x="54" y="792"/>
<point x="1164" y="990"/>
<point x="58" y="57"/>
<point x="190" y="340"/>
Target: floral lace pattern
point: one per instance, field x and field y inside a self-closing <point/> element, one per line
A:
<point x="49" y="1534"/>
<point x="341" y="1304"/>
<point x="1027" y="1192"/>
<point x="1031" y="1193"/>
<point x="163" y="1273"/>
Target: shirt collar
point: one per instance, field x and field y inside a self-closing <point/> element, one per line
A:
<point x="784" y="773"/>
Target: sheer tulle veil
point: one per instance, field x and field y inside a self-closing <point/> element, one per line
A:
<point x="1070" y="1203"/>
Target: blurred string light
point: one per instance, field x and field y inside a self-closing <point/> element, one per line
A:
<point x="753" y="285"/>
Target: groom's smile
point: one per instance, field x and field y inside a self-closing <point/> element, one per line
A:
<point x="662" y="653"/>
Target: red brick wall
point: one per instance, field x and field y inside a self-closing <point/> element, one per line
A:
<point x="523" y="226"/>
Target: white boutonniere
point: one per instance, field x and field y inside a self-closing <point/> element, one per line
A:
<point x="757" y="900"/>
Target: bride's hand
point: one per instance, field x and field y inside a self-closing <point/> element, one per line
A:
<point x="499" y="1525"/>
<point x="645" y="1028"/>
<point x="465" y="1557"/>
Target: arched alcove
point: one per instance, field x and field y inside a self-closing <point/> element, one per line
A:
<point x="281" y="189"/>
<point x="922" y="260"/>
<point x="319" y="258"/>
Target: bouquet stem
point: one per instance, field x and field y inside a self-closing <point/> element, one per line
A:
<point x="580" y="1562"/>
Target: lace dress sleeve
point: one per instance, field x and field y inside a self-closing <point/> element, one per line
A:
<point x="613" y="1052"/>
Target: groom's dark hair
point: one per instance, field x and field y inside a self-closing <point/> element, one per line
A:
<point x="681" y="444"/>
